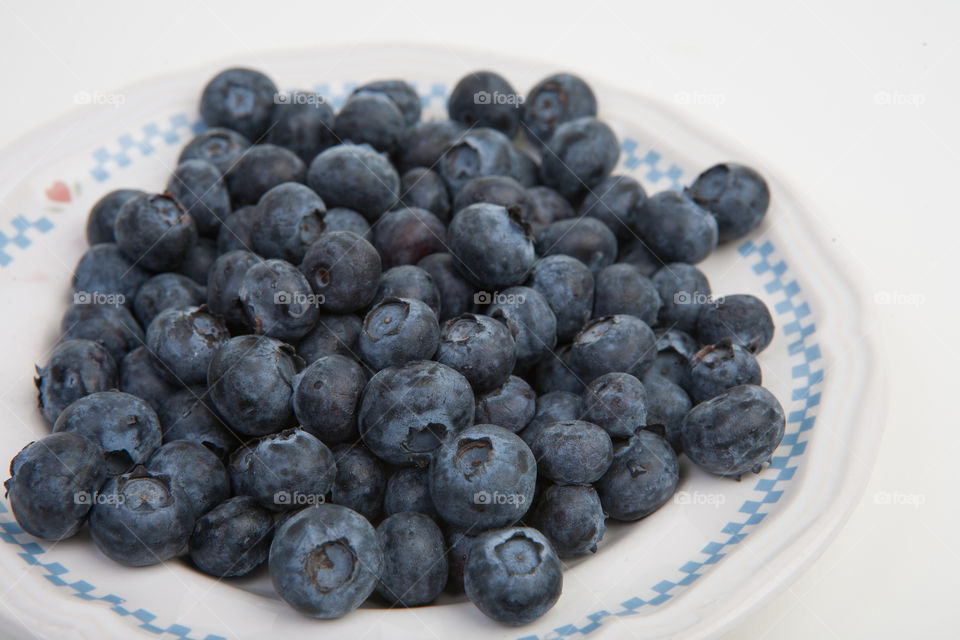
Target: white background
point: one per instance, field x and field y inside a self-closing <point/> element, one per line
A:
<point x="857" y="106"/>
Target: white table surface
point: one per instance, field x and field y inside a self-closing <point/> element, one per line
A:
<point x="856" y="105"/>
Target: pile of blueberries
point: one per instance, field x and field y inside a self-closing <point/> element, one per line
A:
<point x="465" y="331"/>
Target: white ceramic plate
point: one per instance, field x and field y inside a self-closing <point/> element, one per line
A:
<point x="692" y="568"/>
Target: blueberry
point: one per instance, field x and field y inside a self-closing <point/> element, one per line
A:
<point x="223" y="286"/>
<point x="622" y="288"/>
<point x="555" y="406"/>
<point x="343" y="219"/>
<point x="554" y="100"/>
<point x="111" y="326"/>
<point x="513" y="575"/>
<point x="636" y="252"/>
<point x="166" y="291"/>
<point x="586" y="239"/>
<point x="423" y="188"/>
<point x="486" y="99"/>
<point x="126" y="428"/>
<point x="491" y="245"/>
<point x="140" y="519"/>
<point x="51" y="483"/>
<point x="408" y="489"/>
<point x="571" y="517"/>
<point x="277" y="300"/>
<point x="475" y="153"/>
<point x="683" y="291"/>
<point x="734" y="432"/>
<point x="198" y="260"/>
<point x="370" y="118"/>
<point x="456" y="294"/>
<point x="236" y="232"/>
<point x="220" y="147"/>
<point x="530" y="320"/>
<point x="261" y="168"/>
<point x="139" y="377"/>
<point x="326" y="397"/>
<point x="183" y="341"/>
<point x="325" y="560"/>
<point x="524" y="168"/>
<point x="239" y="99"/>
<point x="198" y="186"/>
<point x="284" y="471"/>
<point x="344" y="269"/>
<point x="415" y="561"/>
<point x="736" y="195"/>
<point x="104" y="213"/>
<point x="106" y="274"/>
<point x="482" y="478"/>
<point x="154" y="231"/>
<point x="288" y="219"/>
<point x="425" y="143"/>
<point x="459" y="545"/>
<point x="718" y="367"/>
<point x="479" y="347"/>
<point x="360" y="482"/>
<point x="568" y="287"/>
<point x="356" y="177"/>
<point x="407" y="411"/>
<point x="579" y="155"/>
<point x="406" y="235"/>
<point x="250" y="380"/>
<point x="573" y="452"/>
<point x="643" y="476"/>
<point x="397" y="331"/>
<point x="501" y="190"/>
<point x="545" y="206"/>
<point x="617" y="202"/>
<point x="232" y="539"/>
<point x="76" y="368"/>
<point x="674" y="350"/>
<point x="617" y="402"/>
<point x="333" y="335"/>
<point x="194" y="470"/>
<point x="408" y="281"/>
<point x="188" y="414"/>
<point x="510" y="406"/>
<point x="743" y="318"/>
<point x="667" y="404"/>
<point x="401" y="93"/>
<point x="613" y="343"/>
<point x="553" y="373"/>
<point x="303" y="123"/>
<point x="676" y="228"/>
